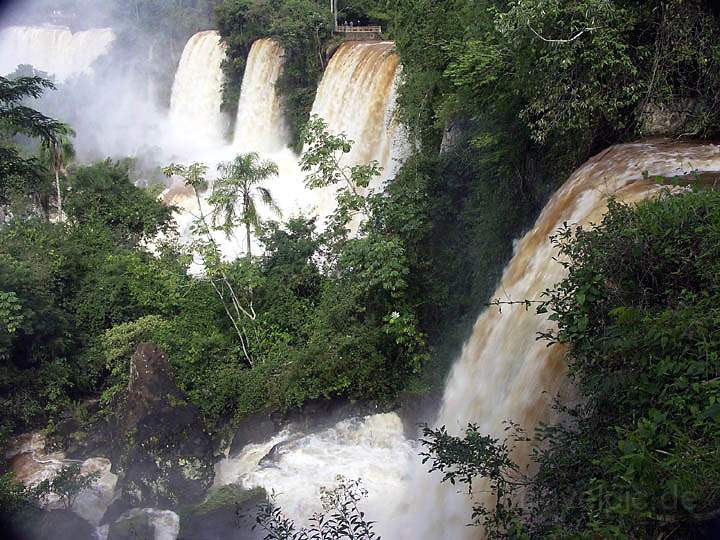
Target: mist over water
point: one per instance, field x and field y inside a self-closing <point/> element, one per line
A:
<point x="53" y="49"/>
<point x="110" y="86"/>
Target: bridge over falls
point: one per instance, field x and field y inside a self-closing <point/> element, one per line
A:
<point x="359" y="32"/>
<point x="352" y="31"/>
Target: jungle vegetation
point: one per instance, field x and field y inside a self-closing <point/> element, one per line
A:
<point x="504" y="99"/>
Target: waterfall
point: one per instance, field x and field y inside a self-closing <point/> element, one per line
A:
<point x="260" y="127"/>
<point x="260" y="124"/>
<point x="295" y="465"/>
<point x="196" y="98"/>
<point x="504" y="373"/>
<point x="357" y="97"/>
<point x="53" y="49"/>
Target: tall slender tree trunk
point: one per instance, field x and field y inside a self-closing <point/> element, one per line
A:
<point x="247" y="239"/>
<point x="246" y="208"/>
<point x="59" y="196"/>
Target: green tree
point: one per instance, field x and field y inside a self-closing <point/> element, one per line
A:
<point x="15" y="501"/>
<point x="342" y="520"/>
<point x="237" y="299"/>
<point x="103" y="193"/>
<point x="10" y="312"/>
<point x="236" y="192"/>
<point x="16" y="172"/>
<point x="68" y="483"/>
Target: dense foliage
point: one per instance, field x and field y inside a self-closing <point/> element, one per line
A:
<point x="66" y="282"/>
<point x="342" y="518"/>
<point x="636" y="456"/>
<point x="315" y="316"/>
<point x="506" y="98"/>
<point x="584" y="68"/>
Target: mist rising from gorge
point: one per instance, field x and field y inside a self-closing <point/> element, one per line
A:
<point x="118" y="105"/>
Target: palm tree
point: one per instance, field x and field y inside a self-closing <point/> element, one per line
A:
<point x="235" y="192"/>
<point x="57" y="152"/>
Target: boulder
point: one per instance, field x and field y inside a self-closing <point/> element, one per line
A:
<point x="136" y="527"/>
<point x="83" y="432"/>
<point x="144" y="524"/>
<point x="163" y="456"/>
<point x="228" y="513"/>
<point x="62" y="525"/>
<point x="416" y="410"/>
<point x="254" y="429"/>
<point x="668" y="119"/>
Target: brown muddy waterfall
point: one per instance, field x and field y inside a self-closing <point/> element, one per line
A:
<point x="503" y="373"/>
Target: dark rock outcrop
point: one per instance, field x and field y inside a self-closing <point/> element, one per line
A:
<point x="162" y="454"/>
<point x="416" y="410"/>
<point x="228" y="513"/>
<point x="134" y="527"/>
<point x="61" y="525"/>
<point x="254" y="429"/>
<point x="144" y="524"/>
<point x="669" y="119"/>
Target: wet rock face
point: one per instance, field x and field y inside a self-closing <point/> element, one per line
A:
<point x="31" y="463"/>
<point x="62" y="525"/>
<point x="417" y="410"/>
<point x="163" y="456"/>
<point x="671" y="119"/>
<point x="228" y="513"/>
<point x="131" y="527"/>
<point x="83" y="438"/>
<point x="145" y="524"/>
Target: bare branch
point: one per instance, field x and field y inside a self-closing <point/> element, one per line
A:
<point x="576" y="36"/>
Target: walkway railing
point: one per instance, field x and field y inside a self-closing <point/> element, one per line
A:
<point x="360" y="29"/>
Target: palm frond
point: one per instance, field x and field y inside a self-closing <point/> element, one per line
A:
<point x="268" y="200"/>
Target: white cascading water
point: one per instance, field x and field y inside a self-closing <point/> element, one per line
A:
<point x="260" y="123"/>
<point x="53" y="49"/>
<point x="372" y="449"/>
<point x="260" y="127"/>
<point x="196" y="100"/>
<point x="357" y="97"/>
